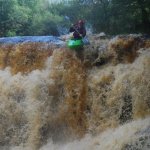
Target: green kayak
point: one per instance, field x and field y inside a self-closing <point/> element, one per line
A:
<point x="74" y="44"/>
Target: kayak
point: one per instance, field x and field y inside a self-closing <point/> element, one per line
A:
<point x="74" y="44"/>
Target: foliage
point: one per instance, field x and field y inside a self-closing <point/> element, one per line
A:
<point x="26" y="17"/>
<point x="40" y="17"/>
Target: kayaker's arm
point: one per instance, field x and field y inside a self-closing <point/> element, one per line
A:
<point x="84" y="32"/>
<point x="71" y="29"/>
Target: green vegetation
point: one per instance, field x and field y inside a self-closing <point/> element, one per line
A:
<point x="39" y="17"/>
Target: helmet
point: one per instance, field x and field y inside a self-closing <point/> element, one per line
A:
<point x="81" y="22"/>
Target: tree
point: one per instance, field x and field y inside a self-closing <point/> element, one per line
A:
<point x="6" y="9"/>
<point x="131" y="15"/>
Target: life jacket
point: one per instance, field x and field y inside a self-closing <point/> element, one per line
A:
<point x="78" y="30"/>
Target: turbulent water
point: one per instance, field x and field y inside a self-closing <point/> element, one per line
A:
<point x="52" y="99"/>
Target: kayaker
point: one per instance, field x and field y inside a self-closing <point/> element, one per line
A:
<point x="78" y="30"/>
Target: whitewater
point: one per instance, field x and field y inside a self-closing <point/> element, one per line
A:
<point x="51" y="99"/>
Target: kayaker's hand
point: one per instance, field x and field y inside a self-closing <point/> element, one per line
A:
<point x="80" y="35"/>
<point x="71" y="35"/>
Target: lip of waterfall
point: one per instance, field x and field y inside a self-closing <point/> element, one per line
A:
<point x="30" y="39"/>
